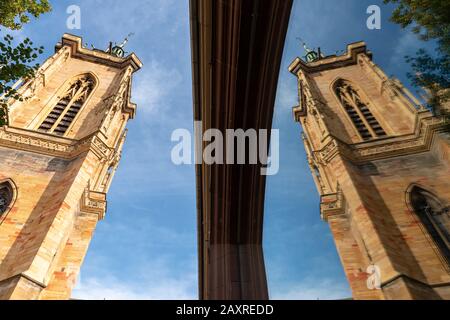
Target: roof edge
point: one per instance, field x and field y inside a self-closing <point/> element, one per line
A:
<point x="96" y="55"/>
<point x="331" y="61"/>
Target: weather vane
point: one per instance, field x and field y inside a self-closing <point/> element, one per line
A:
<point x="304" y="45"/>
<point x="311" y="55"/>
<point x="117" y="50"/>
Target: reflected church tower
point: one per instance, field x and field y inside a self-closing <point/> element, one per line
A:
<point x="380" y="161"/>
<point x="58" y="156"/>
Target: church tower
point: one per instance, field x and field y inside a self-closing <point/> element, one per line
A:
<point x="380" y="161"/>
<point x="58" y="155"/>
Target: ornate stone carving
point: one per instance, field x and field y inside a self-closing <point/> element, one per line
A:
<point x="93" y="202"/>
<point x="328" y="151"/>
<point x="53" y="146"/>
<point x="118" y="101"/>
<point x="114" y="161"/>
<point x="332" y="204"/>
<point x="385" y="148"/>
<point x="310" y="103"/>
<point x="387" y="86"/>
<point x="300" y="110"/>
<point x="100" y="147"/>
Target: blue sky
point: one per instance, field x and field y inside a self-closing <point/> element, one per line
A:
<point x="146" y="246"/>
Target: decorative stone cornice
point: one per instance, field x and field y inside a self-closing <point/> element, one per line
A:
<point x="93" y="202"/>
<point x="130" y="108"/>
<point x="328" y="152"/>
<point x="52" y="145"/>
<point x="102" y="150"/>
<point x="332" y="204"/>
<point x="299" y="112"/>
<point x="332" y="61"/>
<point x="31" y="281"/>
<point x="384" y="148"/>
<point x="97" y="56"/>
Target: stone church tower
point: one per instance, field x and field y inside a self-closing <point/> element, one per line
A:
<point x="381" y="164"/>
<point x="57" y="159"/>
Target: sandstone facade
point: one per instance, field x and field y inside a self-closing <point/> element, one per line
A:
<point x="58" y="180"/>
<point x="373" y="148"/>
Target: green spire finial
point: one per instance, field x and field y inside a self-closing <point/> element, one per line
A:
<point x="118" y="50"/>
<point x="310" y="55"/>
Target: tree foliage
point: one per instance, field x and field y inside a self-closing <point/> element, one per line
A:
<point x="433" y="74"/>
<point x="14" y="14"/>
<point x="17" y="60"/>
<point x="429" y="19"/>
<point x="15" y="64"/>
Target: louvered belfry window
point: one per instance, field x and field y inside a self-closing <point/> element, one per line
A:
<point x="358" y="111"/>
<point x="68" y="106"/>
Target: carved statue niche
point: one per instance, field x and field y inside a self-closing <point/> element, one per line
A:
<point x="311" y="104"/>
<point x="113" y="164"/>
<point x="313" y="166"/>
<point x="115" y="103"/>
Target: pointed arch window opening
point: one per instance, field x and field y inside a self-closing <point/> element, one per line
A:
<point x="67" y="108"/>
<point x="6" y="197"/>
<point x="358" y="110"/>
<point x="435" y="217"/>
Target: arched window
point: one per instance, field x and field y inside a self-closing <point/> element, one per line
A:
<point x="358" y="110"/>
<point x="68" y="106"/>
<point x="435" y="217"/>
<point x="6" y="197"/>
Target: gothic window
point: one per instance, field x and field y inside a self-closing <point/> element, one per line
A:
<point x="434" y="217"/>
<point x="358" y="110"/>
<point x="68" y="106"/>
<point x="6" y="197"/>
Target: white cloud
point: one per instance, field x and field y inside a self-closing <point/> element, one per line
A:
<point x="135" y="234"/>
<point x="160" y="286"/>
<point x="408" y="44"/>
<point x="156" y="90"/>
<point x="153" y="85"/>
<point x="287" y="93"/>
<point x="110" y="288"/>
<point x="155" y="281"/>
<point x="134" y="16"/>
<point x="312" y="289"/>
